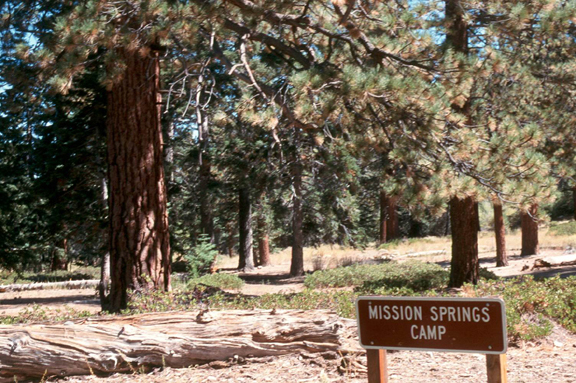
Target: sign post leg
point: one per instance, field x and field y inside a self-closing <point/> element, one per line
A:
<point x="496" y="368"/>
<point x="377" y="366"/>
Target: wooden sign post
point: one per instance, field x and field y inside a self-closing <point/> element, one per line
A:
<point x="432" y="324"/>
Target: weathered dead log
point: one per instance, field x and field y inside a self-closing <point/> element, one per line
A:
<point x="176" y="339"/>
<point x="85" y="284"/>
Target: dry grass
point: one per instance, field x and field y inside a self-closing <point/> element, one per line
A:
<point x="331" y="256"/>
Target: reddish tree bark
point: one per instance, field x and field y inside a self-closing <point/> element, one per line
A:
<point x="500" y="233"/>
<point x="529" y="223"/>
<point x="246" y="259"/>
<point x="139" y="237"/>
<point x="464" y="266"/>
<point x="263" y="243"/>
<point x="392" y="227"/>
<point x="388" y="226"/>
<point x="383" y="217"/>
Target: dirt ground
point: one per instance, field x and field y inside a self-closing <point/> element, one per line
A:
<point x="549" y="360"/>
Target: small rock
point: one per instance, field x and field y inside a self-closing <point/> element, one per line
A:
<point x="558" y="344"/>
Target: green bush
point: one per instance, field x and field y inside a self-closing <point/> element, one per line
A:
<point x="565" y="229"/>
<point x="530" y="301"/>
<point x="200" y="257"/>
<point x="221" y="281"/>
<point x="415" y="275"/>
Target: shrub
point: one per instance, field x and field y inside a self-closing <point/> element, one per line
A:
<point x="415" y="275"/>
<point x="529" y="301"/>
<point x="563" y="229"/>
<point x="221" y="281"/>
<point x="200" y="257"/>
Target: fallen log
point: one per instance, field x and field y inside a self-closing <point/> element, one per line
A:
<point x="85" y="284"/>
<point x="107" y="345"/>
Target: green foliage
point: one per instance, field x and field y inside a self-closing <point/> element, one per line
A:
<point x="200" y="257"/>
<point x="221" y="281"/>
<point x="529" y="302"/>
<point x="563" y="228"/>
<point x="413" y="275"/>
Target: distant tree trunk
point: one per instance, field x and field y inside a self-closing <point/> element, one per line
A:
<point x="263" y="243"/>
<point x="139" y="237"/>
<point x="500" y="232"/>
<point x="529" y="222"/>
<point x="246" y="260"/>
<point x="206" y="217"/>
<point x="389" y="229"/>
<point x="383" y="216"/>
<point x="104" y="285"/>
<point x="169" y="154"/>
<point x="297" y="264"/>
<point x="464" y="266"/>
<point x="392" y="227"/>
<point x="230" y="241"/>
<point x="478" y="216"/>
<point x="60" y="257"/>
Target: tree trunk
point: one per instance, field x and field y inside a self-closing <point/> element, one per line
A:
<point x="529" y="222"/>
<point x="263" y="243"/>
<point x="297" y="264"/>
<point x="574" y="200"/>
<point x="104" y="285"/>
<point x="392" y="227"/>
<point x="139" y="238"/>
<point x="206" y="216"/>
<point x="60" y="257"/>
<point x="464" y="265"/>
<point x="246" y="260"/>
<point x="101" y="346"/>
<point x="500" y="233"/>
<point x="230" y="240"/>
<point x="383" y="217"/>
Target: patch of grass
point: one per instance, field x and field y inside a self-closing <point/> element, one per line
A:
<point x="37" y="313"/>
<point x="221" y="281"/>
<point x="415" y="275"/>
<point x="563" y="228"/>
<point x="530" y="301"/>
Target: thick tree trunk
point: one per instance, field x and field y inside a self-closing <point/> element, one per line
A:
<point x="297" y="264"/>
<point x="383" y="217"/>
<point x="529" y="223"/>
<point x="500" y="233"/>
<point x="139" y="238"/>
<point x="263" y="243"/>
<point x="246" y="260"/>
<point x="464" y="267"/>
<point x="178" y="339"/>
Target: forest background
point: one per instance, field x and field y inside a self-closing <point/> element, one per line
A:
<point x="143" y="131"/>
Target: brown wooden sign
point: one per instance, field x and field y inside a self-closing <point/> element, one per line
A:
<point x="432" y="324"/>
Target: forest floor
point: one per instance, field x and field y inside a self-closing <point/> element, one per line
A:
<point x="552" y="359"/>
